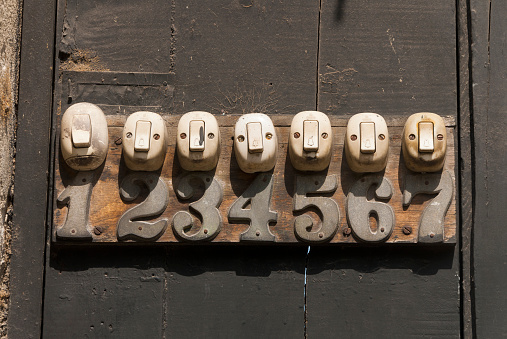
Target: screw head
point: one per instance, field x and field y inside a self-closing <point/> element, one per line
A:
<point x="257" y="233"/>
<point x="432" y="235"/>
<point x="269" y="136"/>
<point x="205" y="231"/>
<point x="211" y="135"/>
<point x="118" y="141"/>
<point x="156" y="136"/>
<point x="321" y="235"/>
<point x="411" y="137"/>
<point x="353" y="137"/>
<point x="407" y="230"/>
<point x="381" y="136"/>
<point x="241" y="138"/>
<point x="129" y="135"/>
<point x="347" y="231"/>
<point x="97" y="230"/>
<point x="183" y="135"/>
<point x="324" y="135"/>
<point x="297" y="135"/>
<point x="440" y="137"/>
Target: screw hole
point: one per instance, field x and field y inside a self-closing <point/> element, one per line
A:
<point x="241" y="138"/>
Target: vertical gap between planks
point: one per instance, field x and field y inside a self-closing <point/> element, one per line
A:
<point x="49" y="196"/>
<point x="305" y="307"/>
<point x="466" y="163"/>
<point x="317" y="77"/>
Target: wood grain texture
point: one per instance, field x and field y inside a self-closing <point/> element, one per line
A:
<point x="107" y="206"/>
<point x="387" y="57"/>
<point x="489" y="81"/>
<point x="26" y="285"/>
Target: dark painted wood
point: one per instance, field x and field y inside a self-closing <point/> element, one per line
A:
<point x="228" y="292"/>
<point x="489" y="65"/>
<point x="465" y="133"/>
<point x="93" y="293"/>
<point x="391" y="58"/>
<point x="246" y="56"/>
<point x="388" y="57"/>
<point x="31" y="176"/>
<point x="383" y="293"/>
<point x="235" y="57"/>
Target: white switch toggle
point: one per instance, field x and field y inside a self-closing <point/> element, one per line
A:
<point x="81" y="130"/>
<point x="424" y="142"/>
<point x="84" y="136"/>
<point x="311" y="135"/>
<point x="198" y="141"/>
<point x="367" y="143"/>
<point x="426" y="137"/>
<point x="142" y="136"/>
<point x="367" y="135"/>
<point x="197" y="136"/>
<point x="144" y="141"/>
<point x="255" y="143"/>
<point x="310" y="141"/>
<point x="254" y="136"/>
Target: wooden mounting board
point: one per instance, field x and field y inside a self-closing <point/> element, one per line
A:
<point x="106" y="206"/>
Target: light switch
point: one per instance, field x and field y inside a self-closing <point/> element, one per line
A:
<point x="368" y="137"/>
<point x="197" y="136"/>
<point x="142" y="136"/>
<point x="81" y="130"/>
<point x="84" y="136"/>
<point x="254" y="136"/>
<point x="426" y="136"/>
<point x="424" y="142"/>
<point x="311" y="135"/>
<point x="310" y="141"/>
<point x="144" y="141"/>
<point x="255" y="143"/>
<point x="198" y="141"/>
<point x="367" y="143"/>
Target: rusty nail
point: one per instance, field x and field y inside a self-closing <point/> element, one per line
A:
<point x="324" y="135"/>
<point x="297" y="135"/>
<point x="183" y="135"/>
<point x="97" y="230"/>
<point x="257" y="233"/>
<point x="432" y="235"/>
<point x="321" y="235"/>
<point x="382" y="229"/>
<point x="353" y="137"/>
<point x="205" y="231"/>
<point x="140" y="228"/>
<point x="156" y="136"/>
<point x="440" y="137"/>
<point x="129" y="135"/>
<point x="211" y="135"/>
<point x="347" y="231"/>
<point x="117" y="141"/>
<point x="411" y="137"/>
<point x="407" y="230"/>
<point x="381" y="136"/>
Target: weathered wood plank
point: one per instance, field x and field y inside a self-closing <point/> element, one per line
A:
<point x="91" y="293"/>
<point x="107" y="207"/>
<point x="387" y="57"/>
<point x="489" y="81"/>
